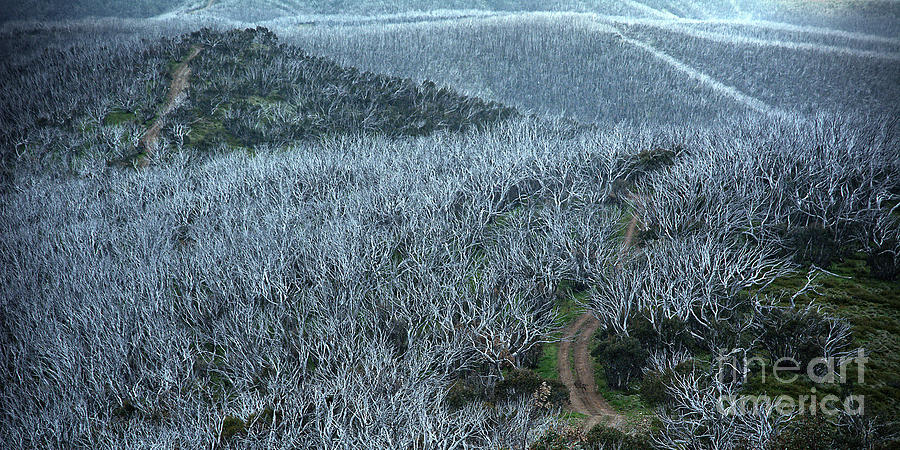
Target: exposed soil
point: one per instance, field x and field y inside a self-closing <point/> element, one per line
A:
<point x="180" y="78"/>
<point x="578" y="376"/>
<point x="583" y="395"/>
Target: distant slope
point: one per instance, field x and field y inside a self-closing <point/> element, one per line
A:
<point x="877" y="16"/>
<point x="880" y="16"/>
<point x="652" y="8"/>
<point x="609" y="69"/>
<point x="76" y="9"/>
<point x="257" y="10"/>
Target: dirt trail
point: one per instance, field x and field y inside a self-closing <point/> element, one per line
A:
<point x="629" y="238"/>
<point x="583" y="395"/>
<point x="180" y="78"/>
<point x="202" y="8"/>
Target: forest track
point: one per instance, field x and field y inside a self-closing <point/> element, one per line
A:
<point x="579" y="376"/>
<point x="709" y="81"/>
<point x="198" y="9"/>
<point x="180" y="79"/>
<point x="691" y="29"/>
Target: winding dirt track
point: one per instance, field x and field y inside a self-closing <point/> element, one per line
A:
<point x="180" y="78"/>
<point x="579" y="376"/>
<point x="202" y="8"/>
<point x="583" y="395"/>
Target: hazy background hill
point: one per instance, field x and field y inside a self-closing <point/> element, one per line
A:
<point x="72" y="9"/>
<point x="878" y="15"/>
<point x="600" y="61"/>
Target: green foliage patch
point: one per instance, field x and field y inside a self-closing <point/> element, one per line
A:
<point x="872" y="307"/>
<point x="249" y="89"/>
<point x="119" y="117"/>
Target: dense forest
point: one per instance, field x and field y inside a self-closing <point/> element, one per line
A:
<point x="331" y="233"/>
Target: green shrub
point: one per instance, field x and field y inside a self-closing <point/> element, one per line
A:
<point x="809" y="432"/>
<point x="562" y="438"/>
<point x="813" y="245"/>
<point x="532" y="358"/>
<point x="670" y="333"/>
<point x="264" y="419"/>
<point x="793" y="333"/>
<point x="232" y="426"/>
<point x="883" y="262"/>
<point x="623" y="358"/>
<point x="653" y="159"/>
<point x="607" y="437"/>
<point x="653" y="388"/>
<point x="460" y="394"/>
<point x="124" y="411"/>
<point x="525" y="382"/>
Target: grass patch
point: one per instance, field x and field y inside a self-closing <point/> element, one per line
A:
<point x="569" y="303"/>
<point x="546" y="366"/>
<point x="171" y="66"/>
<point x="568" y="311"/>
<point x="574" y="418"/>
<point x="628" y="403"/>
<point x="119" y="117"/>
<point x="208" y="132"/>
<point x="872" y="307"/>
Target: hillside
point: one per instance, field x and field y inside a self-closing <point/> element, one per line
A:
<point x="243" y="90"/>
<point x="299" y="97"/>
<point x="633" y="225"/>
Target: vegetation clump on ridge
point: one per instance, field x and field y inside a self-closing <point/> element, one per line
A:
<point x="252" y="90"/>
<point x="245" y="90"/>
